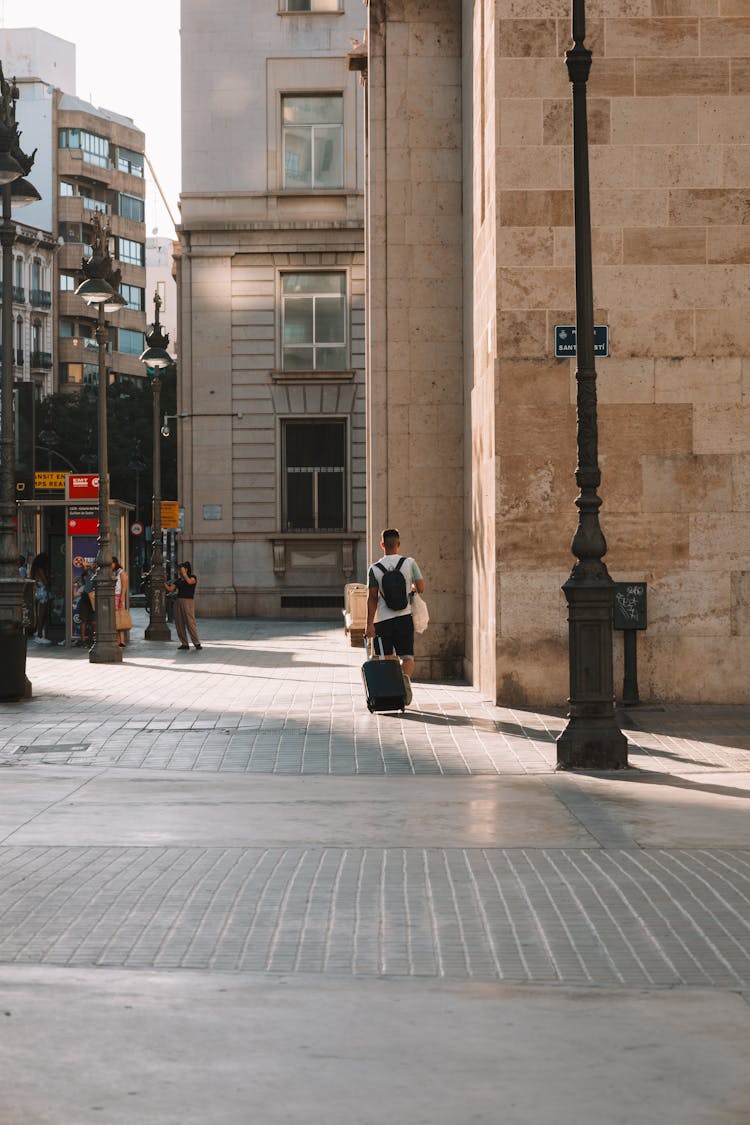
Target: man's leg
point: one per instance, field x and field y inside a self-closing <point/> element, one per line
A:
<point x="188" y="607"/>
<point x="179" y="622"/>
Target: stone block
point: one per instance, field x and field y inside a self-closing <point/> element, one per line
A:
<point x="709" y="206"/>
<point x="611" y="78"/>
<point x="657" y="77"/>
<point x="534" y="288"/>
<point x="522" y="333"/>
<point x="726" y="37"/>
<point x="537" y="543"/>
<point x="652" y="121"/>
<point x="622" y="380"/>
<point x="627" y="208"/>
<point x="686" y="287"/>
<point x="532" y="674"/>
<point x="694" y="669"/>
<point x="644" y="545"/>
<point x="720" y="541"/>
<point x="728" y="245"/>
<point x="740" y="603"/>
<point x="621" y="482"/>
<point x="644" y="332"/>
<point x="533" y="246"/>
<point x="736" y="166"/>
<point x="535" y="208"/>
<point x="538" y="482"/>
<point x="531" y="605"/>
<point x="657" y="38"/>
<point x="721" y="429"/>
<point x="686" y="483"/>
<point x="529" y="166"/>
<point x="722" y="332"/>
<point x="537" y="429"/>
<point x="557" y="121"/>
<point x="531" y="380"/>
<point x="740" y="75"/>
<point x="660" y="245"/>
<point x="606" y="246"/>
<point x="686" y="7"/>
<point x="527" y="38"/>
<point x="724" y="120"/>
<point x="520" y="121"/>
<point x="740" y="474"/>
<point x="689" y="603"/>
<point x="685" y="166"/>
<point x="637" y="430"/>
<point x="610" y="168"/>
<point x="532" y="78"/>
<point x="699" y="379"/>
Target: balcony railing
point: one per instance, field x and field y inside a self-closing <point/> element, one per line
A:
<point x="41" y="298"/>
<point x="19" y="295"/>
<point x="41" y="360"/>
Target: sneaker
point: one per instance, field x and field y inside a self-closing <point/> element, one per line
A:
<point x="43" y="640"/>
<point x="407" y="688"/>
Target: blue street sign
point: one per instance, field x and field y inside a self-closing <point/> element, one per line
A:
<point x="565" y="340"/>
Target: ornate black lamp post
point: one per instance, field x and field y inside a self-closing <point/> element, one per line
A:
<point x="99" y="288"/>
<point x="156" y="358"/>
<point x="14" y="165"/>
<point x="592" y="738"/>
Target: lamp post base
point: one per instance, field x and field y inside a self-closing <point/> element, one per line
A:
<point x="158" y="631"/>
<point x="592" y="739"/>
<point x="105" y="654"/>
<point x="14" y="684"/>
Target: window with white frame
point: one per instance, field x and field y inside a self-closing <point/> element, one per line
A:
<point x="134" y="253"/>
<point x="314" y="475"/>
<point x="312" y="5"/>
<point x="313" y="141"/>
<point x="314" y="316"/>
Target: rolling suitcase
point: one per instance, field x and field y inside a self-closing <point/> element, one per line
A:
<point x="384" y="684"/>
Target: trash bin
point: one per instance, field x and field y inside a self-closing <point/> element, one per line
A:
<point x="12" y="662"/>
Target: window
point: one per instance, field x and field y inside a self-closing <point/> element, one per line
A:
<point x="36" y="273"/>
<point x="66" y="188"/>
<point x="83" y="374"/>
<point x="18" y="271"/>
<point x="131" y="252"/>
<point x="37" y="336"/>
<point x="313" y="128"/>
<point x="68" y="138"/>
<point x="129" y="161"/>
<point x="135" y="297"/>
<point x="95" y="149"/>
<point x="313" y="321"/>
<point x="67" y="282"/>
<point x="312" y="5"/>
<point x="130" y="207"/>
<point x="314" y="476"/>
<point x="130" y="342"/>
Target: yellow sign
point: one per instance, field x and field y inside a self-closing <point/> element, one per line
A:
<point x="170" y="514"/>
<point x="50" y="480"/>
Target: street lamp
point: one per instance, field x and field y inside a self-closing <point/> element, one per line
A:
<point x="99" y="288"/>
<point x="14" y="165"/>
<point x="156" y="358"/>
<point x="592" y="738"/>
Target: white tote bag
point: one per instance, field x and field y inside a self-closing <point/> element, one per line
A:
<point x="419" y="612"/>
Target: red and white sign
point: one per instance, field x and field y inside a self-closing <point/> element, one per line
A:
<point x="83" y="525"/>
<point x="83" y="486"/>
<point x="136" y="528"/>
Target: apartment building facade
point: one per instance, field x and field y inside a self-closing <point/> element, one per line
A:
<point x="88" y="161"/>
<point x="271" y="282"/>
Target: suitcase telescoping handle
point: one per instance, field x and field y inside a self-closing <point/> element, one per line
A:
<point x="372" y="653"/>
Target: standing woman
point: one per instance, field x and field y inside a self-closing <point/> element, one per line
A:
<point x="184" y="609"/>
<point x="121" y="598"/>
<point x="40" y="573"/>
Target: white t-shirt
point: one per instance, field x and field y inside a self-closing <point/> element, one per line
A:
<point x="411" y="573"/>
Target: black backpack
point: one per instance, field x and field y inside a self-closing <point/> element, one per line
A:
<point x="393" y="586"/>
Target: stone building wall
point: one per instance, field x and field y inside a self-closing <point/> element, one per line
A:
<point x="415" y="306"/>
<point x="669" y="123"/>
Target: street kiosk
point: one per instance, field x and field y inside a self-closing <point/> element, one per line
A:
<point x="63" y="522"/>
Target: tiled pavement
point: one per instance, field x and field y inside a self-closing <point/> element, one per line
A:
<point x="234" y="827"/>
<point x="285" y="699"/>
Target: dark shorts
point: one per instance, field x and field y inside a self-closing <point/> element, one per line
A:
<point x="85" y="608"/>
<point x="397" y="634"/>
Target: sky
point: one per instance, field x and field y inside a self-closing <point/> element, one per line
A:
<point x="127" y="61"/>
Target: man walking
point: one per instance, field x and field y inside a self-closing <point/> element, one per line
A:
<point x="390" y="583"/>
